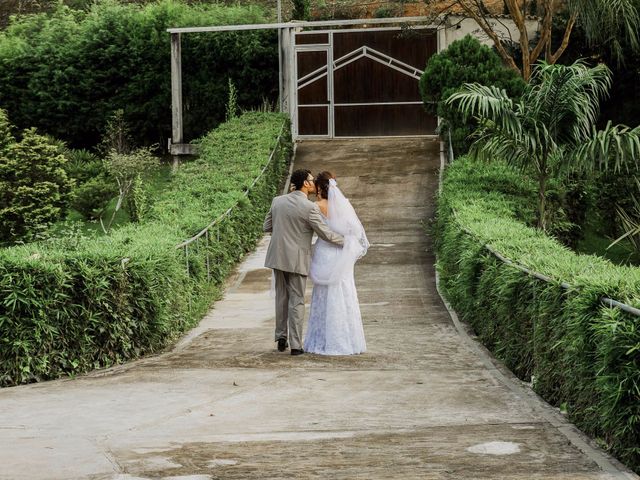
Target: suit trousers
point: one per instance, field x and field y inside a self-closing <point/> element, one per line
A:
<point x="290" y="288"/>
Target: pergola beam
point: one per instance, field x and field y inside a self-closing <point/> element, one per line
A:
<point x="299" y="24"/>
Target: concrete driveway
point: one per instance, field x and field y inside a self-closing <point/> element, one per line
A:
<point x="425" y="401"/>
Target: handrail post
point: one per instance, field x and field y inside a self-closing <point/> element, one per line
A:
<point x="186" y="257"/>
<point x="207" y="250"/>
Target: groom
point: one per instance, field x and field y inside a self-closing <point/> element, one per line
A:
<point x="292" y="220"/>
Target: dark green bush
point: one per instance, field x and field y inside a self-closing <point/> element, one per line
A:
<point x="387" y="11"/>
<point x="69" y="307"/>
<point x="464" y="61"/>
<point x="91" y="197"/>
<point x="570" y="199"/>
<point x="614" y="191"/>
<point x="578" y="353"/>
<point x="82" y="165"/>
<point x="34" y="187"/>
<point x="93" y="188"/>
<point x="67" y="71"/>
<point x="6" y="135"/>
<point x="301" y="10"/>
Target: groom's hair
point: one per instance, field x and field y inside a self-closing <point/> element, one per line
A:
<point x="298" y="177"/>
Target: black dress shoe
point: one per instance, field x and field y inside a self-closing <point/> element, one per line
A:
<point x="295" y="351"/>
<point x="282" y="344"/>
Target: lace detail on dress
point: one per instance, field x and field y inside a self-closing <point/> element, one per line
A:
<point x="335" y="322"/>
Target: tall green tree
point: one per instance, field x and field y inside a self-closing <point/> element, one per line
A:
<point x="550" y="129"/>
<point x="66" y="71"/>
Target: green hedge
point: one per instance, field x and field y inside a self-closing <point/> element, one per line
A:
<point x="71" y="306"/>
<point x="579" y="354"/>
<point x="67" y="71"/>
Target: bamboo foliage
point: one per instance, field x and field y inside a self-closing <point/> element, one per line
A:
<point x="630" y="221"/>
<point x="69" y="307"/>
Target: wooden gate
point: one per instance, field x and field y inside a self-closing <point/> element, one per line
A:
<point x="353" y="83"/>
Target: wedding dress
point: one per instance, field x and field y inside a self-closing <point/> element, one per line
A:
<point x="335" y="323"/>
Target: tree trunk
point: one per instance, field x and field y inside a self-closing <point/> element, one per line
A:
<point x="123" y="186"/>
<point x="472" y="10"/>
<point x="115" y="210"/>
<point x="518" y="12"/>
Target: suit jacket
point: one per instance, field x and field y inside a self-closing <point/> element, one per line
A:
<point x="292" y="220"/>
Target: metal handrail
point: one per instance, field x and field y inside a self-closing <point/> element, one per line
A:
<point x="245" y="194"/>
<point x="609" y="302"/>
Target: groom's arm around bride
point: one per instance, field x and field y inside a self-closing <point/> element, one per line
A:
<point x="291" y="220"/>
<point x="315" y="222"/>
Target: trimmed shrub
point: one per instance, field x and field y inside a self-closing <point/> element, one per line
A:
<point x="6" y="137"/>
<point x="67" y="71"/>
<point x="34" y="187"/>
<point x="578" y="353"/>
<point x="464" y="61"/>
<point x="109" y="299"/>
<point x="93" y="188"/>
<point x="91" y="197"/>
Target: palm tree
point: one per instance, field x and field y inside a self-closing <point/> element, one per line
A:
<point x="551" y="128"/>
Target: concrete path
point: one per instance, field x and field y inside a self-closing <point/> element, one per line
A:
<point x="424" y="402"/>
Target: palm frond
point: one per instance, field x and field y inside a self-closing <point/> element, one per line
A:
<point x="491" y="103"/>
<point x="567" y="98"/>
<point x="493" y="142"/>
<point x="630" y="222"/>
<point x="609" y="22"/>
<point x="617" y="147"/>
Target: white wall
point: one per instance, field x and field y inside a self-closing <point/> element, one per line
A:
<point x="458" y="27"/>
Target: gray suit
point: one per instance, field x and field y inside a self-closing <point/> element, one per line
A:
<point x="292" y="220"/>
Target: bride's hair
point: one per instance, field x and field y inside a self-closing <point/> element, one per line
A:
<point x="322" y="183"/>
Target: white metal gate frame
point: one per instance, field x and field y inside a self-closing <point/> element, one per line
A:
<point x="331" y="67"/>
<point x="286" y="38"/>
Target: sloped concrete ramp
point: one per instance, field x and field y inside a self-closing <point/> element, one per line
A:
<point x="424" y="402"/>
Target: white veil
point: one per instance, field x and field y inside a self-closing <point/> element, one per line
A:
<point x="342" y="219"/>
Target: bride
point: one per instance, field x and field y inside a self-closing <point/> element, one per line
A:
<point x="335" y="324"/>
